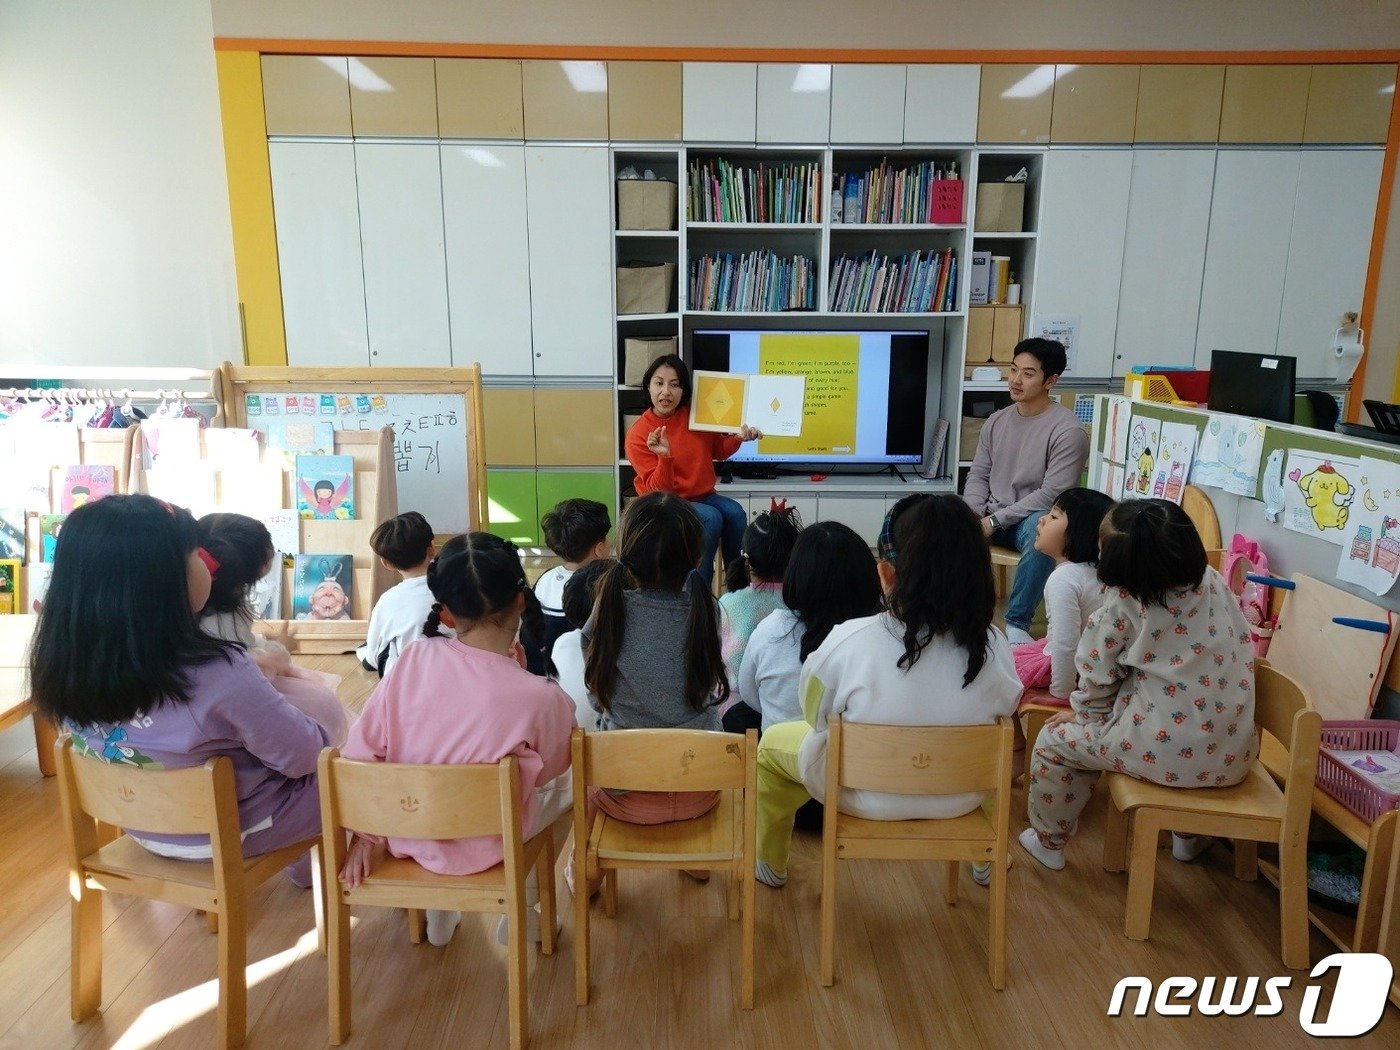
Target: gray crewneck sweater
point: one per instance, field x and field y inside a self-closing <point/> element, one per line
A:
<point x="1024" y="462"/>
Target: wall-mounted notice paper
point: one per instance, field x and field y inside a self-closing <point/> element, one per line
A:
<point x="725" y="401"/>
<point x="1319" y="492"/>
<point x="1177" y="445"/>
<point x="1144" y="446"/>
<point x="1229" y="454"/>
<point x="1371" y="536"/>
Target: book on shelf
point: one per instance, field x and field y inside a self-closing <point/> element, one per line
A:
<point x="917" y="282"/>
<point x="719" y="191"/>
<point x="980" y="277"/>
<point x="929" y="192"/>
<point x="757" y="282"/>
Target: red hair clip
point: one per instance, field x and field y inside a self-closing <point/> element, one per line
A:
<point x="210" y="562"/>
<point x="777" y="506"/>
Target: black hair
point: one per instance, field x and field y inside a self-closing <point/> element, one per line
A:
<point x="116" y="635"/>
<point x="477" y="576"/>
<point x="322" y="485"/>
<point x="403" y="541"/>
<point x="242" y="546"/>
<point x="768" y="543"/>
<point x="575" y="526"/>
<point x="830" y="579"/>
<point x="682" y="373"/>
<point x="582" y="589"/>
<point x="660" y="542"/>
<point x="1149" y="548"/>
<point x="943" y="577"/>
<point x="1083" y="510"/>
<point x="1049" y="352"/>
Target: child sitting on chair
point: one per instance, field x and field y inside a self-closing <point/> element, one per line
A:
<point x="577" y="531"/>
<point x="404" y="544"/>
<point x="579" y="595"/>
<point x="465" y="699"/>
<point x="1166" y="680"/>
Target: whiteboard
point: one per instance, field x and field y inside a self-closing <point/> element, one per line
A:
<point x="430" y="440"/>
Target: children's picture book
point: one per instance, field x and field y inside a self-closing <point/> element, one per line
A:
<point x="40" y="573"/>
<point x="12" y="533"/>
<point x="725" y="401"/>
<point x="285" y="528"/>
<point x="49" y="526"/>
<point x="87" y="483"/>
<point x="231" y="448"/>
<point x="294" y="439"/>
<point x="323" y="585"/>
<point x="169" y="441"/>
<point x="9" y="586"/>
<point x="325" y="487"/>
<point x="267" y="593"/>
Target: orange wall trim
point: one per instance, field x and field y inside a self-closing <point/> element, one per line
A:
<point x="426" y="49"/>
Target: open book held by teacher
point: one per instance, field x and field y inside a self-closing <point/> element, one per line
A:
<point x="725" y="401"/>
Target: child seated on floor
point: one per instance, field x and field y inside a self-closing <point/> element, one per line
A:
<point x="577" y="531"/>
<point x="1166" y="680"/>
<point x="240" y="554"/>
<point x="579" y="595"/>
<point x="753" y="590"/>
<point x="1069" y="535"/>
<point x="467" y="698"/>
<point x="404" y="544"/>
<point x="933" y="658"/>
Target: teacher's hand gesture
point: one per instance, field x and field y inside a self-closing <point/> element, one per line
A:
<point x="657" y="442"/>
<point x="748" y="433"/>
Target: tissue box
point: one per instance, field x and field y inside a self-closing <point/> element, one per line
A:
<point x="1001" y="207"/>
<point x="646" y="204"/>
<point x="638" y="354"/>
<point x="644" y="288"/>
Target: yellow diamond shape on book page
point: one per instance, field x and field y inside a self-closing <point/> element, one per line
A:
<point x="722" y="406"/>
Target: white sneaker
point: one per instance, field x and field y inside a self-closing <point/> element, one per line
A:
<point x="532" y="926"/>
<point x="1054" y="859"/>
<point x="1018" y="636"/>
<point x="1187" y="848"/>
<point x="441" y="926"/>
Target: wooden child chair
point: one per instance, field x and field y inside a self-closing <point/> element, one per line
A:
<point x="721" y="840"/>
<point x="201" y="800"/>
<point x="919" y="760"/>
<point x="432" y="802"/>
<point x="1255" y="810"/>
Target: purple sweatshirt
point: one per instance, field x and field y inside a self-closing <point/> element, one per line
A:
<point x="233" y="710"/>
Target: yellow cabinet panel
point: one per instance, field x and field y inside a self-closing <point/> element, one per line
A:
<point x="306" y="95"/>
<point x="566" y="100"/>
<point x="509" y="414"/>
<point x="480" y="98"/>
<point x="980" y="321"/>
<point x="1264" y="103"/>
<point x="1349" y="103"/>
<point x="1094" y="104"/>
<point x="393" y="96"/>
<point x="574" y="428"/>
<point x="1179" y="103"/>
<point x="644" y="101"/>
<point x="1014" y="103"/>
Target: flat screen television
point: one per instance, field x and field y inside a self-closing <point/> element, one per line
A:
<point x="865" y="391"/>
<point x="1258" y="385"/>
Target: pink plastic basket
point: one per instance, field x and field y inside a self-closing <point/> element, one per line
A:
<point x="1346" y="785"/>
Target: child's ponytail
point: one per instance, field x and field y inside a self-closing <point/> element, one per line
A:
<point x="605" y="639"/>
<point x="475" y="576"/>
<point x="706" y="682"/>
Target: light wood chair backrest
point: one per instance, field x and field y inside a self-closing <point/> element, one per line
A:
<point x="421" y="801"/>
<point x="663" y="760"/>
<point x="1282" y="710"/>
<point x="918" y="760"/>
<point x="1201" y="511"/>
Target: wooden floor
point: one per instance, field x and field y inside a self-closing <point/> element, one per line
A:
<point x="910" y="971"/>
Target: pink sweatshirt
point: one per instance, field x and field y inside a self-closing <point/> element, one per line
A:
<point x="446" y="703"/>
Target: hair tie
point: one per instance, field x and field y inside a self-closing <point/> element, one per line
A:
<point x="777" y="506"/>
<point x="623" y="562"/>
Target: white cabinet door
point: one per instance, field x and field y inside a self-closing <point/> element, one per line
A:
<point x="864" y="514"/>
<point x="720" y="101"/>
<point x="569" y="197"/>
<point x="867" y="104"/>
<point x="794" y="102"/>
<point x="940" y="103"/>
<point x="1164" y="257"/>
<point x="1333" y="214"/>
<point x="401" y="233"/>
<point x="1251" y="214"/>
<point x="1079" y="258"/>
<point x="318" y="252"/>
<point x="488" y="257"/>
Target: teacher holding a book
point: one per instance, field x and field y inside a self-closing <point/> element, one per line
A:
<point x="670" y="457"/>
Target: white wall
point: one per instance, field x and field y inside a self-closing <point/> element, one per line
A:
<point x="115" y="241"/>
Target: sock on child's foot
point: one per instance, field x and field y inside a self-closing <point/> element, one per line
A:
<point x="441" y="925"/>
<point x="982" y="873"/>
<point x="1187" y="848"/>
<point x="766" y="875"/>
<point x="1054" y="859"/>
<point x="532" y="926"/>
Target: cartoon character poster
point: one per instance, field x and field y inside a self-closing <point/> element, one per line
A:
<point x="85" y="484"/>
<point x="323" y="586"/>
<point x="1177" y="445"/>
<point x="325" y="487"/>
<point x="1228" y="456"/>
<point x="49" y="527"/>
<point x="1144" y="446"/>
<point x="1371" y="540"/>
<point x="1318" y="493"/>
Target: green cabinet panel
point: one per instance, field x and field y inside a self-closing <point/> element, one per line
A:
<point x="514" y="509"/>
<point x="556" y="485"/>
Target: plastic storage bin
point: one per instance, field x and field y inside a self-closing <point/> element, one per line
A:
<point x="1346" y="785"/>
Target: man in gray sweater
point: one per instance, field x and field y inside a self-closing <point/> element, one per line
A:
<point x="1028" y="454"/>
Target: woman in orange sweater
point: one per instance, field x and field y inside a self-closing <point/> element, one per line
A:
<point x="670" y="457"/>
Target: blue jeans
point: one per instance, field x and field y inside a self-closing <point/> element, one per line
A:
<point x="724" y="521"/>
<point x="1031" y="572"/>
